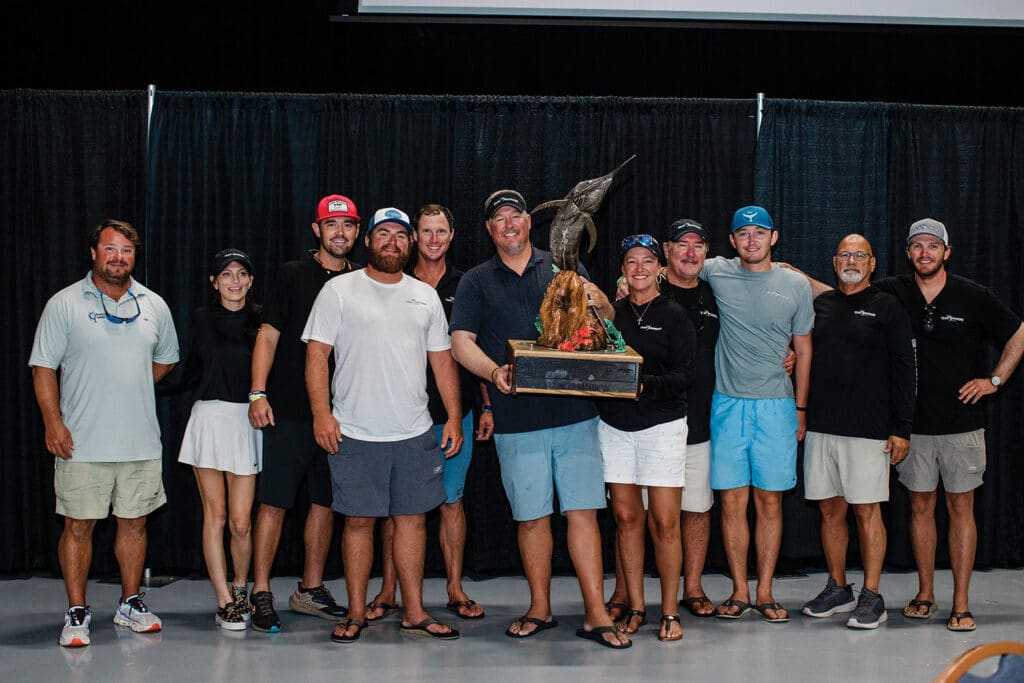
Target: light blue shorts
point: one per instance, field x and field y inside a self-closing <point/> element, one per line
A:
<point x="753" y="441"/>
<point x="455" y="467"/>
<point x="536" y="464"/>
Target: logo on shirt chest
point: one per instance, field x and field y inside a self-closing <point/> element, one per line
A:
<point x="951" y="318"/>
<point x="865" y="314"/>
<point x="651" y="328"/>
<point x="416" y="302"/>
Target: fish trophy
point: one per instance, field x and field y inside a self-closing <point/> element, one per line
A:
<point x="567" y="321"/>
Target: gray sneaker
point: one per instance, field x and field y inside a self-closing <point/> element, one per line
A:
<point x="317" y="602"/>
<point x="833" y="600"/>
<point x="870" y="611"/>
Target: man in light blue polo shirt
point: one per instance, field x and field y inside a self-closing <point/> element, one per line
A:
<point x="112" y="339"/>
<point x="755" y="423"/>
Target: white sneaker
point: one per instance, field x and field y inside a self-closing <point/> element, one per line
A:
<point x="134" y="614"/>
<point x="76" y="627"/>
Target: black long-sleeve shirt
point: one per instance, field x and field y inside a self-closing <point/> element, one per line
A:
<point x="863" y="373"/>
<point x="219" y="360"/>
<point x="663" y="335"/>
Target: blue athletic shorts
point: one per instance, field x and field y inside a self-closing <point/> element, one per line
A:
<point x="535" y="464"/>
<point x="753" y="441"/>
<point x="455" y="467"/>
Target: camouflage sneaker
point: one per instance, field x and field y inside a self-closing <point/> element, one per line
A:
<point x="230" y="618"/>
<point x="317" y="602"/>
<point x="240" y="596"/>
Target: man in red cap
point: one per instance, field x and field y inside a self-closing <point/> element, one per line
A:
<point x="279" y="406"/>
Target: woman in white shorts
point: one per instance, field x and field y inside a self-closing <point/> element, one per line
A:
<point x="224" y="450"/>
<point x="643" y="441"/>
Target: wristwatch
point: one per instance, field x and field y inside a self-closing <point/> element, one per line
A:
<point x="996" y="381"/>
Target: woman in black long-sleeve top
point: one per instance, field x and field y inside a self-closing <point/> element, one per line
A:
<point x="643" y="441"/>
<point x="223" y="449"/>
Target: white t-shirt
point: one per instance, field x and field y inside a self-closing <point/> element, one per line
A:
<point x="381" y="334"/>
<point x="106" y="369"/>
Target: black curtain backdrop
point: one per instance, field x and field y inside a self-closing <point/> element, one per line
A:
<point x="827" y="169"/>
<point x="246" y="170"/>
<point x="67" y="160"/>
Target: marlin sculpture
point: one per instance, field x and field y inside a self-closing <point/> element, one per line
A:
<point x="575" y="214"/>
<point x="567" y="321"/>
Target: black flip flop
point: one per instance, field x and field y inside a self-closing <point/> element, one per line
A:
<point x="346" y="623"/>
<point x="691" y="606"/>
<point x="454" y="606"/>
<point x="596" y="634"/>
<point x="387" y="607"/>
<point x="422" y="631"/>
<point x="539" y="623"/>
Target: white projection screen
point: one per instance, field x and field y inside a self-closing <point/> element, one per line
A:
<point x="928" y="12"/>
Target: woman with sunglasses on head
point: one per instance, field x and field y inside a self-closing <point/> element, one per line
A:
<point x="224" y="450"/>
<point x="643" y="441"/>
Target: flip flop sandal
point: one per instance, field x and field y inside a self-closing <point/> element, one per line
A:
<point x="455" y="605"/>
<point x="346" y="624"/>
<point x="775" y="607"/>
<point x="913" y="605"/>
<point x="596" y="634"/>
<point x="620" y="606"/>
<point x="691" y="605"/>
<point x="744" y="608"/>
<point x="422" y="631"/>
<point x="387" y="607"/>
<point x="627" y="620"/>
<point x="539" y="623"/>
<point x="666" y="620"/>
<point x="959" y="616"/>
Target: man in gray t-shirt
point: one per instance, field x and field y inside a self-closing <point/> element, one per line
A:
<point x="755" y="423"/>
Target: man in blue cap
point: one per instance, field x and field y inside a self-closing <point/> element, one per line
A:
<point x="755" y="421"/>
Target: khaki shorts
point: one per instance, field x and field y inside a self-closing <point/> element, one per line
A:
<point x="958" y="458"/>
<point x="856" y="469"/>
<point x="87" y="490"/>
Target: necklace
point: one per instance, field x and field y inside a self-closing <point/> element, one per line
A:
<point x="640" y="314"/>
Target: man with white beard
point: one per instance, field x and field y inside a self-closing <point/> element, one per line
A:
<point x="863" y="357"/>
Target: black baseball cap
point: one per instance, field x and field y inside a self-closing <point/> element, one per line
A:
<point x="683" y="226"/>
<point x="503" y="198"/>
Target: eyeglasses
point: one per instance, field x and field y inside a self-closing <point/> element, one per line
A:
<point x="855" y="255"/>
<point x="929" y="318"/>
<point x="117" y="320"/>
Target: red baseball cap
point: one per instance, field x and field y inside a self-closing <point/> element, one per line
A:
<point x="334" y="205"/>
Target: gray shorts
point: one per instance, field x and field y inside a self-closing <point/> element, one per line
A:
<point x="959" y="458"/>
<point x="382" y="478"/>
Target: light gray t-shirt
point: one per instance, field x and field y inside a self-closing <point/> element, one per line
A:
<point x="759" y="312"/>
<point x="106" y="369"/>
<point x="381" y="334"/>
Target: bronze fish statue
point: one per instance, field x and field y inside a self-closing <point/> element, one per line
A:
<point x="575" y="213"/>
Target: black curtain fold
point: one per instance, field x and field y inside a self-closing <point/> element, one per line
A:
<point x="67" y="161"/>
<point x="826" y="169"/>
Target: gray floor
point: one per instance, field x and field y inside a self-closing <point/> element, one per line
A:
<point x="192" y="648"/>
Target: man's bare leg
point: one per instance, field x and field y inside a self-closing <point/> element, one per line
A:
<point x="535" y="548"/>
<point x="317" y="536"/>
<point x="768" y="539"/>
<point x="696" y="534"/>
<point x="963" y="543"/>
<point x="453" y="546"/>
<point x="584" y="540"/>
<point x="75" y="554"/>
<point x="357" y="549"/>
<point x="388" y="593"/>
<point x="835" y="537"/>
<point x="923" y="539"/>
<point x="130" y="551"/>
<point x="410" y="547"/>
<point x="736" y="537"/>
<point x="266" y="536"/>
<point x="873" y="537"/>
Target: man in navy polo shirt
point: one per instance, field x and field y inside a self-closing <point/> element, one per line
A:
<point x="544" y="443"/>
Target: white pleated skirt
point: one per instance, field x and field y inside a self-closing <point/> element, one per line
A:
<point x="219" y="437"/>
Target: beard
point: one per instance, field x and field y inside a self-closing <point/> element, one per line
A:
<point x="387" y="264"/>
<point x="927" y="271"/>
<point x="850" y="277"/>
<point x="110" y="277"/>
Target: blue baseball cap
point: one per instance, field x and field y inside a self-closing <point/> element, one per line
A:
<point x="390" y="215"/>
<point x="752" y="215"/>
